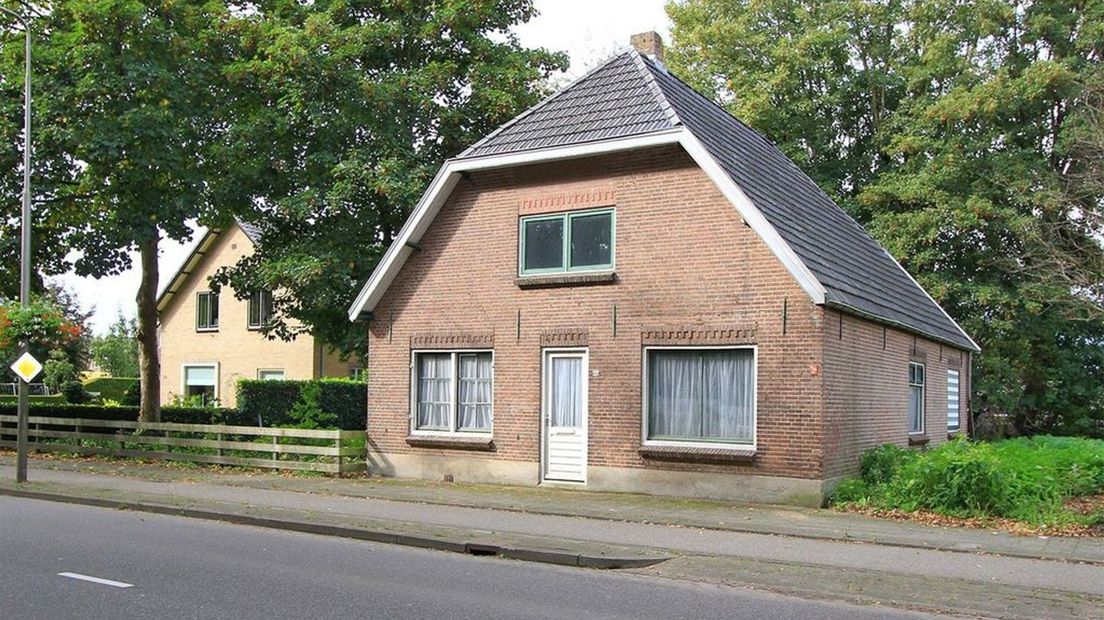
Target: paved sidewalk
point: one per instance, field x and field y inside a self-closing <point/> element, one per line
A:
<point x="637" y="508"/>
<point x="807" y="552"/>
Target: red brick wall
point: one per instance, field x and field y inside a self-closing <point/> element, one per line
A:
<point x="866" y="389"/>
<point x="684" y="261"/>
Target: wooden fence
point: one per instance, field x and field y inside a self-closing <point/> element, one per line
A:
<point x="330" y="451"/>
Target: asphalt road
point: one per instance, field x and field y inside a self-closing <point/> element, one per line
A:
<point x="183" y="568"/>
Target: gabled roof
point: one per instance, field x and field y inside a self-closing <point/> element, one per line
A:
<point x="631" y="102"/>
<point x="201" y="248"/>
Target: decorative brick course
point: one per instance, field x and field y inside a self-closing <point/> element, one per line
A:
<point x="452" y="340"/>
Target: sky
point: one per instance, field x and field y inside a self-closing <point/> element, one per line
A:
<point x="588" y="30"/>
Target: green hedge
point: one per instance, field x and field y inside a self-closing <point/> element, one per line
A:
<point x="177" y="415"/>
<point x="111" y="388"/>
<point x="271" y="401"/>
<point x="52" y="399"/>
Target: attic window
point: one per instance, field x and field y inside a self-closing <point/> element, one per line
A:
<point x="567" y="242"/>
<point x="207" y="312"/>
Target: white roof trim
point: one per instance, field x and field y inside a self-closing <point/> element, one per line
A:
<point x="754" y="218"/>
<point x="937" y="305"/>
<point x="447" y="177"/>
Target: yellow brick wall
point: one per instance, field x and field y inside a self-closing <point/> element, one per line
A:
<point x="239" y="352"/>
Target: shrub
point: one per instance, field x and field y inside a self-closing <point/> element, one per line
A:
<point x="178" y="415"/>
<point x="880" y="465"/>
<point x="1024" y="478"/>
<point x="74" y="392"/>
<point x="58" y="371"/>
<point x="132" y="397"/>
<point x="272" y="401"/>
<point x="308" y="412"/>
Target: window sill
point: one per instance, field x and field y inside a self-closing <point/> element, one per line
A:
<point x="699" y="454"/>
<point x="566" y="279"/>
<point x="458" y="442"/>
<point x="206" y="330"/>
<point x="918" y="440"/>
<point x="954" y="432"/>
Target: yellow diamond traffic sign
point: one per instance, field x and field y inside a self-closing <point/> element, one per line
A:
<point x="27" y="367"/>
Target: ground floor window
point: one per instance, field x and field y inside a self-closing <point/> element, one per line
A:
<point x="701" y="395"/>
<point x="953" y="422"/>
<point x="453" y="391"/>
<point x="916" y="398"/>
<point x="201" y="382"/>
<point x="270" y="374"/>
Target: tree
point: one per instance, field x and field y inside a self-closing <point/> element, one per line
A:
<point x="41" y="325"/>
<point x="957" y="134"/>
<point x="344" y="112"/>
<point x="116" y="352"/>
<point x="127" y="111"/>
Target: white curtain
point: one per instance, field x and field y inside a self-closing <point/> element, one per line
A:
<point x="567" y="392"/>
<point x="434" y="390"/>
<point x="675" y="394"/>
<point x="728" y="395"/>
<point x="702" y="395"/>
<point x="475" y="392"/>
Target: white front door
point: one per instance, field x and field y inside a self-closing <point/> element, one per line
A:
<point x="564" y="406"/>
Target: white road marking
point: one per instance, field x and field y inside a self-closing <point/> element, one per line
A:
<point x="106" y="582"/>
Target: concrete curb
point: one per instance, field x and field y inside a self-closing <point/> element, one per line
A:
<point x="485" y="547"/>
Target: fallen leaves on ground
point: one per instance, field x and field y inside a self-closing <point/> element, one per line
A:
<point x="1011" y="526"/>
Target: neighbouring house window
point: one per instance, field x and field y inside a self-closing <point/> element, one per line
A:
<point x="358" y="373"/>
<point x="453" y="391"/>
<point x="701" y="395"/>
<point x="201" y="381"/>
<point x="952" y="400"/>
<point x="270" y="374"/>
<point x="207" y="311"/>
<point x="916" y="398"/>
<point x="581" y="241"/>
<point x="260" y="309"/>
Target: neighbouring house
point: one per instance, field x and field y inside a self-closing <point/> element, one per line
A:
<point x="210" y="341"/>
<point x="625" y="288"/>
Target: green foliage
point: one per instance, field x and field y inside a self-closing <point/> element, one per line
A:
<point x="1025" y="478"/>
<point x="58" y="371"/>
<point x="112" y="388"/>
<point x="881" y="464"/>
<point x="42" y="325"/>
<point x="340" y="403"/>
<point x="968" y="140"/>
<point x="132" y="397"/>
<point x="74" y="392"/>
<point x="178" y="415"/>
<point x="341" y="117"/>
<point x="116" y="352"/>
<point x="307" y="411"/>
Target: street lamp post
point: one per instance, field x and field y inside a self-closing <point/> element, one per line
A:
<point x="25" y="245"/>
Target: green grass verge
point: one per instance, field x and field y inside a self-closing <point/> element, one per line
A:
<point x="1025" y="479"/>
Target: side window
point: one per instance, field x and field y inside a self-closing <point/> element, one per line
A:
<point x="916" y="398"/>
<point x="953" y="422"/>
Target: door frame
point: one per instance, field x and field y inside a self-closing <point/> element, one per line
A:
<point x="546" y="354"/>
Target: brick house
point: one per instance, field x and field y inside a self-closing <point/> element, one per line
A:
<point x="209" y="341"/>
<point x="625" y="288"/>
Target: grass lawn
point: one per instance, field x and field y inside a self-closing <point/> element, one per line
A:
<point x="1033" y="485"/>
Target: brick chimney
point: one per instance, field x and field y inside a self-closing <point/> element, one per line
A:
<point x="648" y="43"/>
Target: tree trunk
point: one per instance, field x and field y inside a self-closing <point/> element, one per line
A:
<point x="149" y="355"/>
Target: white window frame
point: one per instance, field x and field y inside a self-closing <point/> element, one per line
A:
<point x="208" y="328"/>
<point x="454" y="390"/>
<point x="259" y="296"/>
<point x="261" y="371"/>
<point x="957" y="400"/>
<point x="184" y="376"/>
<point x="923" y="397"/>
<point x="727" y="445"/>
<point x="358" y="373"/>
